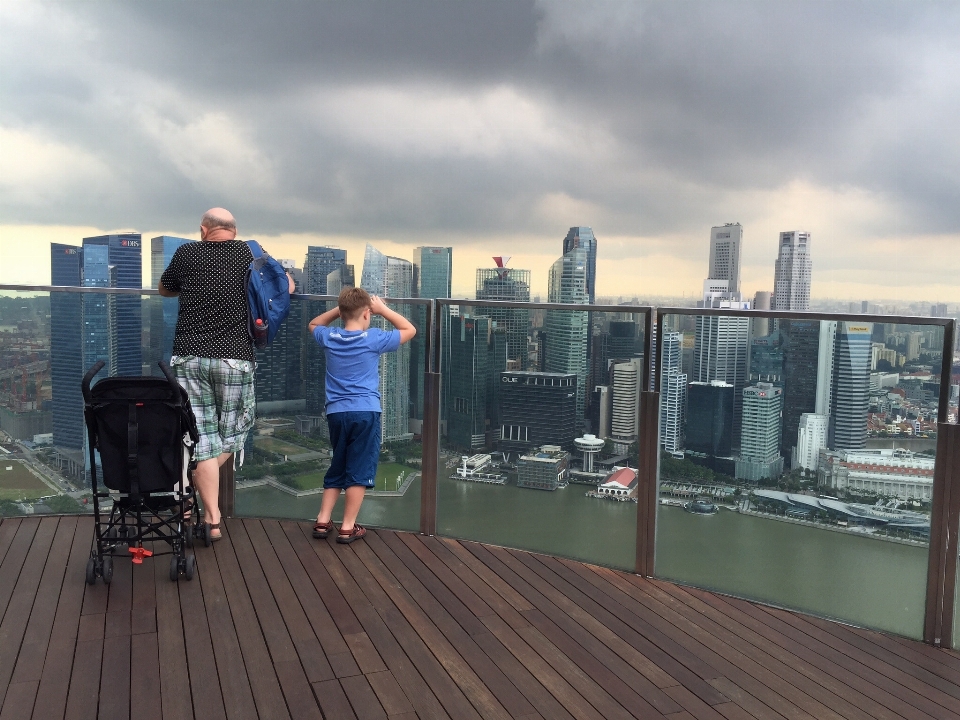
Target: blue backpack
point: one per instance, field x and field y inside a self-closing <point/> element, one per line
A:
<point x="268" y="296"/>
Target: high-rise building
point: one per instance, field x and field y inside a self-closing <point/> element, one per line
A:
<point x="317" y="265"/>
<point x="391" y="277"/>
<point x="584" y="239"/>
<point x="279" y="373"/>
<point x="825" y="367"/>
<point x="709" y="418"/>
<point x="725" y="242"/>
<point x="627" y="377"/>
<point x="513" y="285"/>
<point x="673" y="393"/>
<point x="567" y="331"/>
<point x="766" y="358"/>
<point x="811" y="439"/>
<point x="801" y="365"/>
<point x="342" y="277"/>
<point x="721" y="347"/>
<point x="760" y="456"/>
<point x="851" y="386"/>
<point x="466" y="397"/>
<point x="163" y="310"/>
<point x="791" y="284"/>
<point x="432" y="276"/>
<point x="113" y="323"/>
<point x="761" y="301"/>
<point x="66" y="346"/>
<point x="537" y="408"/>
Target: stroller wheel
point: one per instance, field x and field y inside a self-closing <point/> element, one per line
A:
<point x="107" y="569"/>
<point x="112" y="533"/>
<point x="189" y="566"/>
<point x="91" y="570"/>
<point x="174" y="568"/>
<point x="188" y="534"/>
<point x="207" y="538"/>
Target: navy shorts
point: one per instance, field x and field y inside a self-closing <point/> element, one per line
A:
<point x="355" y="437"/>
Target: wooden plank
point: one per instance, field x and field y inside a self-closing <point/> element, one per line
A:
<point x="415" y="687"/>
<point x="145" y="701"/>
<point x="911" y="653"/>
<point x="307" y="644"/>
<point x="264" y="683"/>
<point x="478" y="695"/>
<point x="744" y="699"/>
<point x="8" y="529"/>
<point x="18" y="703"/>
<point x="389" y="693"/>
<point x="440" y="610"/>
<point x="293" y="680"/>
<point x="362" y="698"/>
<point x="234" y="684"/>
<point x="143" y="610"/>
<point x="333" y="700"/>
<point x="175" y="694"/>
<point x="460" y="549"/>
<point x="695" y="708"/>
<point x="14" y="622"/>
<point x="114" y="700"/>
<point x="14" y="558"/>
<point x="85" y="681"/>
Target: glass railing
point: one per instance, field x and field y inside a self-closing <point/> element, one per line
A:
<point x="539" y="427"/>
<point x="797" y="461"/>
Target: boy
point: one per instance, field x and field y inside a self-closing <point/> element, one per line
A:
<point x="353" y="401"/>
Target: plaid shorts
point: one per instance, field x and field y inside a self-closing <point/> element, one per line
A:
<point x="223" y="401"/>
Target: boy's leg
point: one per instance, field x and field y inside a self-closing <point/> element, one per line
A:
<point x="327" y="504"/>
<point x="351" y="506"/>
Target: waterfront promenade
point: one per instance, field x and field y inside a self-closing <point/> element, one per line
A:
<point x="277" y="625"/>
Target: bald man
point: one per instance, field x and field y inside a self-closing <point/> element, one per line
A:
<point x="212" y="350"/>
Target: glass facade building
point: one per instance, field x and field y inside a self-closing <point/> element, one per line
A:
<point x="567" y="331"/>
<point x="851" y="386"/>
<point x="432" y="278"/>
<point x="466" y="399"/>
<point x="66" y="346"/>
<point x="537" y="409"/>
<point x="512" y="285"/>
<point x="163" y="311"/>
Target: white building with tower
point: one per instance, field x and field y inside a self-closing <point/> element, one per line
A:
<point x="791" y="279"/>
<point x="590" y="446"/>
<point x="811" y="439"/>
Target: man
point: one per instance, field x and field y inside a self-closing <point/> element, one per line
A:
<point x="212" y="352"/>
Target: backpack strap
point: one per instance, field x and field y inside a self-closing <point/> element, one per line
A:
<point x="255" y="249"/>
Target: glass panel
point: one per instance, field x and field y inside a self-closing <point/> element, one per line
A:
<point x="288" y="453"/>
<point x="539" y="430"/>
<point x="797" y="463"/>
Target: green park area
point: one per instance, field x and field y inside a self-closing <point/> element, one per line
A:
<point x="272" y="444"/>
<point x="18" y="483"/>
<point x="387" y="477"/>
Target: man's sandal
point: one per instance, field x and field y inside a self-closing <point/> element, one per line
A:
<point x="215" y="527"/>
<point x="348" y="536"/>
<point x="322" y="530"/>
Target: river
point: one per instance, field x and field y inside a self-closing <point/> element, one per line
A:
<point x="869" y="582"/>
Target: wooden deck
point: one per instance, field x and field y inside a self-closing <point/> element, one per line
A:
<point x="278" y="625"/>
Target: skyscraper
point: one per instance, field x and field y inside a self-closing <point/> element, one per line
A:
<point x="725" y="242"/>
<point x="279" y="372"/>
<point x="721" y="346"/>
<point x="673" y="392"/>
<point x="536" y="409"/>
<point x="513" y="285"/>
<point x="627" y="377"/>
<point x="567" y="331"/>
<point x="709" y="426"/>
<point x="317" y="265"/>
<point x="391" y="277"/>
<point x="791" y="284"/>
<point x="761" y="301"/>
<point x="66" y="346"/>
<point x="760" y="456"/>
<point x="342" y="277"/>
<point x="432" y="276"/>
<point x="801" y="365"/>
<point x="163" y="310"/>
<point x="811" y="439"/>
<point x="466" y="398"/>
<point x="584" y="239"/>
<point x="851" y="386"/>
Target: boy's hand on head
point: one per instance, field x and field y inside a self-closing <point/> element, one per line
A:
<point x="377" y="306"/>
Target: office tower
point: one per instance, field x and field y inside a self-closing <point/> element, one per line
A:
<point x="112" y="323"/>
<point x="627" y="378"/>
<point x="673" y="391"/>
<point x="537" y="408"/>
<point x="496" y="364"/>
<point x="432" y="273"/>
<point x="801" y="368"/>
<point x="163" y="310"/>
<point x="317" y="265"/>
<point x="709" y="426"/>
<point x="938" y="310"/>
<point x="342" y="277"/>
<point x="391" y="277"/>
<point x="721" y="347"/>
<point x="825" y="363"/>
<point x="66" y="346"/>
<point x="513" y="285"/>
<point x="760" y="457"/>
<point x="567" y="330"/>
<point x="725" y="242"/>
<point x="625" y="339"/>
<point x="791" y="282"/>
<point x="466" y="396"/>
<point x="811" y="439"/>
<point x="851" y="386"/>
<point x="766" y="358"/>
<point x="605" y="410"/>
<point x="914" y="341"/>
<point x="761" y="301"/>
<point x="584" y="239"/>
<point x="279" y="375"/>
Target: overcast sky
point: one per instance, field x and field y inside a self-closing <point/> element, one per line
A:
<point x="494" y="127"/>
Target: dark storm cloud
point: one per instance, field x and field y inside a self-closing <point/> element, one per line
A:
<point x="317" y="116"/>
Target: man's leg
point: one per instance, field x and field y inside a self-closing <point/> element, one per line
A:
<point x="351" y="506"/>
<point x="206" y="478"/>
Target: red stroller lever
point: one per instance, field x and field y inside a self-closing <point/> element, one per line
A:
<point x="139" y="553"/>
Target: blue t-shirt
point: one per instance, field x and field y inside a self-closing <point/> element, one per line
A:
<point x="353" y="366"/>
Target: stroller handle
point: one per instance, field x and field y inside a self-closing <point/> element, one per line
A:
<point x="171" y="378"/>
<point x="85" y="383"/>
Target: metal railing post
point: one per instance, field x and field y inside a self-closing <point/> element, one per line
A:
<point x="432" y="381"/>
<point x="944" y="522"/>
<point x="648" y="449"/>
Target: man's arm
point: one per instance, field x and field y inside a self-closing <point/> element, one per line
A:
<point x="162" y="289"/>
<point x="406" y="328"/>
<point x="325" y="319"/>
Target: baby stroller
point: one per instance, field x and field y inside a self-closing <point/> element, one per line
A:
<point x="145" y="431"/>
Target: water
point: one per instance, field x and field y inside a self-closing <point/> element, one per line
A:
<point x="874" y="583"/>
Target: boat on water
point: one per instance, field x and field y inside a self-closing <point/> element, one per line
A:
<point x="700" y="507"/>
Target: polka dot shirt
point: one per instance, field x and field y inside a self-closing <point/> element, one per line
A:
<point x="210" y="277"/>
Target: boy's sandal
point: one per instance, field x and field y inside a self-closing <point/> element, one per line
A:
<point x="348" y="536"/>
<point x="322" y="530"/>
<point x="215" y="527"/>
